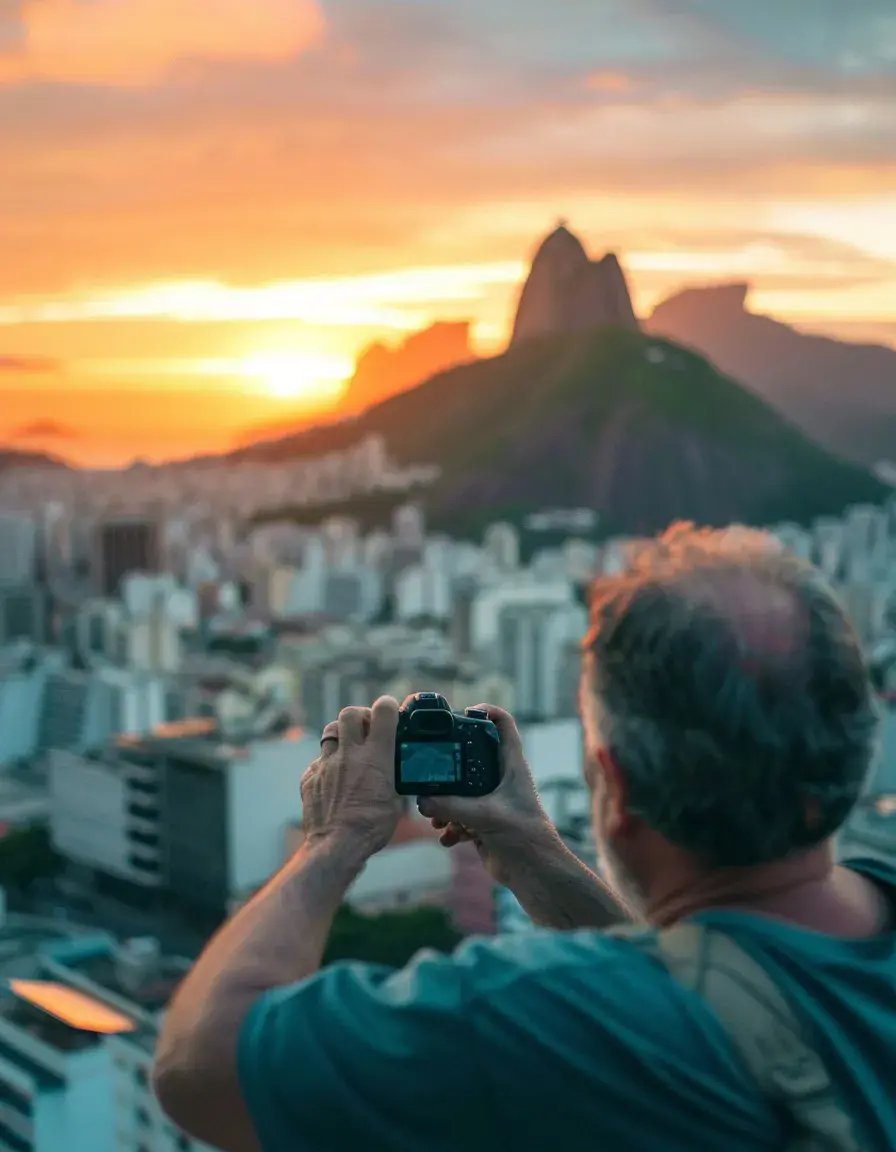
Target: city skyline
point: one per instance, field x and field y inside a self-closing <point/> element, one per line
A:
<point x="206" y="221"/>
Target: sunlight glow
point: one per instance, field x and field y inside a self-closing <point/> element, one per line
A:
<point x="281" y="375"/>
<point x="289" y="376"/>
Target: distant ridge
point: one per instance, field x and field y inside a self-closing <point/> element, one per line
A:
<point x="14" y="458"/>
<point x="841" y="394"/>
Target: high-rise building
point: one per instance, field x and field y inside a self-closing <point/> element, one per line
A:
<point x="18" y="549"/>
<point x="501" y="544"/>
<point x="123" y="547"/>
<point x="23" y="613"/>
<point x="534" y="650"/>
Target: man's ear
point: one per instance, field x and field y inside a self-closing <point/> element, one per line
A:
<point x="616" y="814"/>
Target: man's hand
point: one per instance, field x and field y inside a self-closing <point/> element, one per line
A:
<point x="349" y="790"/>
<point x="503" y="822"/>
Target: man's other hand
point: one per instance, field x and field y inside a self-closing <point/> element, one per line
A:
<point x="349" y="790"/>
<point x="498" y="824"/>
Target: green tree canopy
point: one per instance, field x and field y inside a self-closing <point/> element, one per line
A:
<point x="26" y="855"/>
<point x="391" y="937"/>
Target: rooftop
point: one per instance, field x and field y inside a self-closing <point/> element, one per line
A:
<point x="151" y="993"/>
<point x="203" y="741"/>
<point x="44" y="1026"/>
<point x="24" y="941"/>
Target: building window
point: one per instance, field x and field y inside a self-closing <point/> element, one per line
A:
<point x="145" y="787"/>
<point x="12" y="1098"/>
<point x="143" y="1117"/>
<point x="143" y="812"/>
<point x="141" y="1077"/>
<point x="147" y="839"/>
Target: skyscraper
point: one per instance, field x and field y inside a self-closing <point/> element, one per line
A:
<point x="122" y="547"/>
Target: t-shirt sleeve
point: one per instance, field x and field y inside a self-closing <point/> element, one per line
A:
<point x="361" y="1056"/>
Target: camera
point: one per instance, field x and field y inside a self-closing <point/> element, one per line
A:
<point x="443" y="753"/>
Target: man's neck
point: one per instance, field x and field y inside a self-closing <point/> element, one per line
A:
<point x="806" y="890"/>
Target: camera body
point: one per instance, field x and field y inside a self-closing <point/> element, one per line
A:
<point x="443" y="753"/>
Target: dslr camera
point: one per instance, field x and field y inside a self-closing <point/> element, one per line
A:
<point x="443" y="753"/>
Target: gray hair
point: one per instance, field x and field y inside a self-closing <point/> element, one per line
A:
<point x="733" y="693"/>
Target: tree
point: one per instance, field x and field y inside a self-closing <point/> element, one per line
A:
<point x="390" y="938"/>
<point x="26" y="855"/>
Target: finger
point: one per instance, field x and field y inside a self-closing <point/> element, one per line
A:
<point x="439" y="824"/>
<point x="352" y="726"/>
<point x="454" y="834"/>
<point x="383" y="724"/>
<point x="329" y="738"/>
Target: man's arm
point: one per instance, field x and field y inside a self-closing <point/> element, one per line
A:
<point x="275" y="940"/>
<point x="521" y="848"/>
<point x="552" y="884"/>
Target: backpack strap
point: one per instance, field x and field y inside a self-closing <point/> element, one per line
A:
<point x="761" y="1026"/>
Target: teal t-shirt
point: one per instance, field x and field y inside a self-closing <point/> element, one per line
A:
<point x="550" y="1040"/>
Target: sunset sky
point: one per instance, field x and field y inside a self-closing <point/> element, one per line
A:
<point x="207" y="207"/>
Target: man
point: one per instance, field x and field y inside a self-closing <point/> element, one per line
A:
<point x="730" y="727"/>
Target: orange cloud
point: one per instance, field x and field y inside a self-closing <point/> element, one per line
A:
<point x="608" y="82"/>
<point x="107" y="41"/>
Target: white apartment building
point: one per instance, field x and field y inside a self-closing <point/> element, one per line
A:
<point x="188" y="812"/>
<point x="538" y="650"/>
<point x="406" y="875"/>
<point x="46" y="704"/>
<point x="423" y="591"/>
<point x="501" y="544"/>
<point x="522" y="589"/>
<point x="137" y="980"/>
<point x="56" y="1085"/>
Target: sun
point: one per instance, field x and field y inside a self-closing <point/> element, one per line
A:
<point x="298" y="375"/>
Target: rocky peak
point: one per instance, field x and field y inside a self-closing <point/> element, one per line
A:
<point x="566" y="291"/>
<point x="715" y="301"/>
<point x="382" y="371"/>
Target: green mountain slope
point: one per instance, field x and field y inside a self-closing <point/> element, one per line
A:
<point x="638" y="428"/>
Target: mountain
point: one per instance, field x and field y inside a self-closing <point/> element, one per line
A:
<point x="13" y="458"/>
<point x="639" y="429"/>
<point x="382" y="371"/>
<point x="567" y="292"/>
<point x="841" y="394"/>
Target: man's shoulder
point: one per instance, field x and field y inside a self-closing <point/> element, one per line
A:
<point x="606" y="978"/>
<point x="541" y="954"/>
<point x="609" y="1000"/>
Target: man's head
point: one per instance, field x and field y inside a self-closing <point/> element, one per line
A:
<point x="727" y="707"/>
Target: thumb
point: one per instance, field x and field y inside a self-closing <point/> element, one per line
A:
<point x="449" y="809"/>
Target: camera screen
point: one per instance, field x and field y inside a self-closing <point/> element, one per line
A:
<point x="436" y="762"/>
